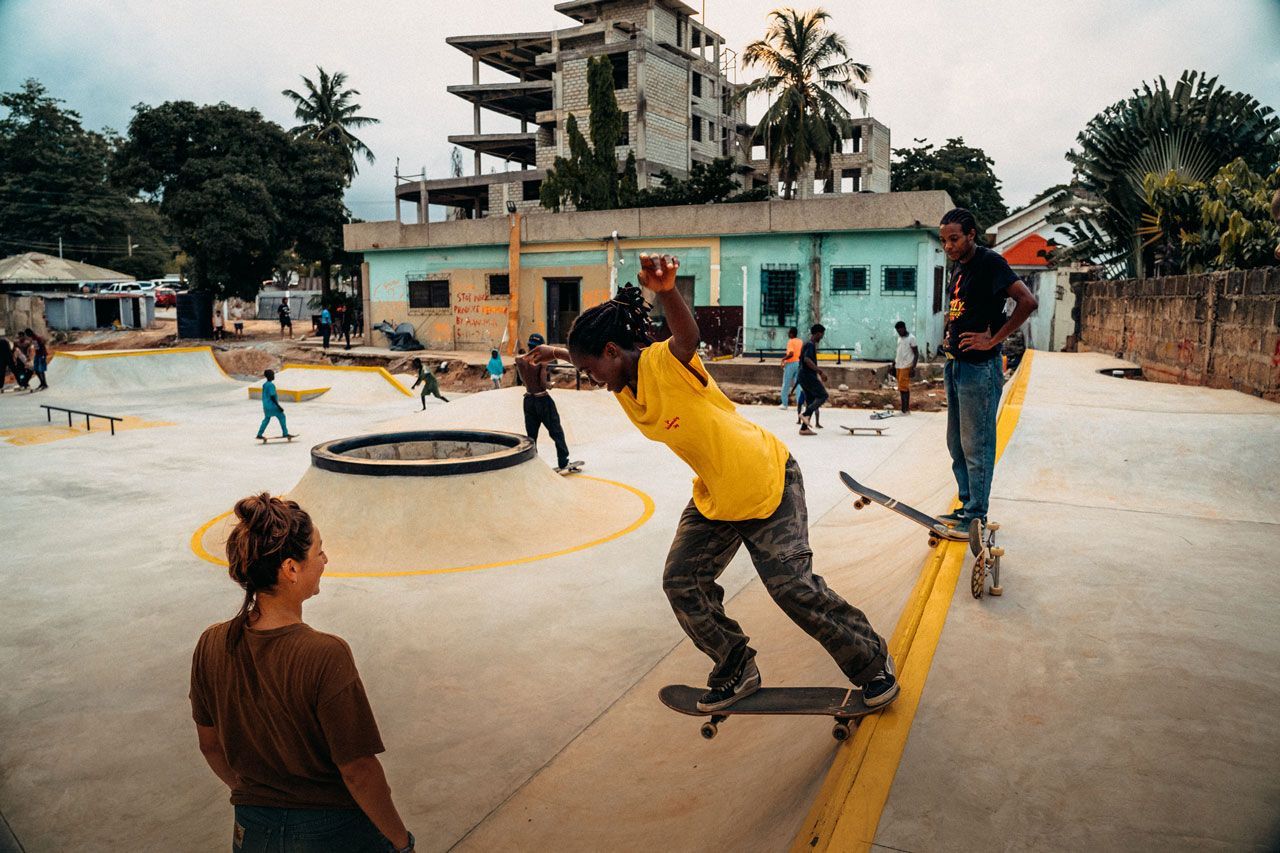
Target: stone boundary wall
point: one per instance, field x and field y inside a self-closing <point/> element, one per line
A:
<point x="1217" y="329"/>
<point x="18" y="312"/>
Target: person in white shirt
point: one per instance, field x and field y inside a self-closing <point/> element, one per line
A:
<point x="904" y="364"/>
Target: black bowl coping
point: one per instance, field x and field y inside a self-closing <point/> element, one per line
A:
<point x="330" y="455"/>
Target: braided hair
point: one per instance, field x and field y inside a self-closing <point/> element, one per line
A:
<point x="961" y="217"/>
<point x="623" y="321"/>
<point x="269" y="531"/>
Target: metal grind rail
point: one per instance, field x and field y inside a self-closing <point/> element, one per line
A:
<point x="48" y="410"/>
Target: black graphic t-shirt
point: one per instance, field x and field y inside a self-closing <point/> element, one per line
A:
<point x="809" y="352"/>
<point x="975" y="301"/>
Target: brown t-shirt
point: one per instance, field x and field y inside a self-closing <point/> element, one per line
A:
<point x="289" y="707"/>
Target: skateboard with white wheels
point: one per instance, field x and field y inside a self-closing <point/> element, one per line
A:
<point x="571" y="468"/>
<point x="937" y="529"/>
<point x="267" y="439"/>
<point x="863" y="430"/>
<point x="843" y="703"/>
<point x="986" y="557"/>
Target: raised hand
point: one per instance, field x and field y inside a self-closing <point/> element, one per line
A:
<point x="658" y="272"/>
<point x="542" y="354"/>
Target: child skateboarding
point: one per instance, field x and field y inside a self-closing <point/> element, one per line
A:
<point x="427" y="378"/>
<point x="539" y="409"/>
<point x="747" y="490"/>
<point x="271" y="407"/>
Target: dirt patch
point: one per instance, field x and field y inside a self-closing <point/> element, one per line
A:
<point x="247" y="362"/>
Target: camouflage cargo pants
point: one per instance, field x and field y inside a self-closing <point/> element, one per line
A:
<point x="779" y="548"/>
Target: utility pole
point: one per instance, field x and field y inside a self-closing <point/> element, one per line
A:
<point x="59" y="245"/>
<point x="128" y="241"/>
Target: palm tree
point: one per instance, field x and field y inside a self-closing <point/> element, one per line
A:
<point x="328" y="114"/>
<point x="1190" y="131"/>
<point x="807" y="67"/>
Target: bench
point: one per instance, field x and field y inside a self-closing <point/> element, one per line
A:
<point x="48" y="410"/>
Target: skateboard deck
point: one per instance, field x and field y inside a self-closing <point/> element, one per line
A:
<point x="267" y="439"/>
<point x="863" y="430"/>
<point x="887" y="413"/>
<point x="843" y="703"/>
<point x="937" y="530"/>
<point x="571" y="468"/>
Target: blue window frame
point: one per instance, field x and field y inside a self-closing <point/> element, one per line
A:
<point x="899" y="280"/>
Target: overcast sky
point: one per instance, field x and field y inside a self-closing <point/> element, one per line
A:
<point x="1016" y="78"/>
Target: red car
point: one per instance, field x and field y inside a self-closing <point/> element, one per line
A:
<point x="165" y="297"/>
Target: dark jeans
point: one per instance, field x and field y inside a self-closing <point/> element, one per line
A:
<point x="973" y="400"/>
<point x="541" y="411"/>
<point x="260" y="829"/>
<point x="779" y="548"/>
<point x="815" y="394"/>
<point x="325" y="329"/>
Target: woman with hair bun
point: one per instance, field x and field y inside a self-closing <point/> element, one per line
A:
<point x="279" y="707"/>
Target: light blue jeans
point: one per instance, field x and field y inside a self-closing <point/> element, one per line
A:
<point x="790" y="375"/>
<point x="266" y="419"/>
<point x="973" y="399"/>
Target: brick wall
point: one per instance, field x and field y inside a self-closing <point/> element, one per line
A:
<point x="1216" y="329"/>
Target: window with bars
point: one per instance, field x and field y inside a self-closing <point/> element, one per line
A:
<point x="426" y="293"/>
<point x="499" y="284"/>
<point x="779" y="288"/>
<point x="850" y="279"/>
<point x="697" y="129"/>
<point x="899" y="280"/>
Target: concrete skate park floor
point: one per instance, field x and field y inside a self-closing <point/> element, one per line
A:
<point x="1122" y="694"/>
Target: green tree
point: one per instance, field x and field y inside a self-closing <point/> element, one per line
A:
<point x="1193" y="130"/>
<point x="589" y="178"/>
<point x="238" y="190"/>
<point x="965" y="172"/>
<point x="708" y="183"/>
<point x="55" y="183"/>
<point x="807" y="67"/>
<point x="328" y="113"/>
<point x="1222" y="223"/>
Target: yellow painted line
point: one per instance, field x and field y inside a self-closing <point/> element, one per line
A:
<point x="381" y="371"/>
<point x="84" y="356"/>
<point x="846" y="812"/>
<point x="197" y="544"/>
<point x="299" y="396"/>
<point x="45" y="433"/>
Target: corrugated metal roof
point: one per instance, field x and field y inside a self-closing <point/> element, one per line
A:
<point x="37" y="268"/>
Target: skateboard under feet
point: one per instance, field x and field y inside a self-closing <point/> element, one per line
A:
<point x="571" y="468"/>
<point x="843" y="703"/>
<point x="267" y="439"/>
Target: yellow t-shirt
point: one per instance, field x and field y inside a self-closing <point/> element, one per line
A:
<point x="740" y="466"/>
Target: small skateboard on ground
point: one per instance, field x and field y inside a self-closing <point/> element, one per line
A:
<point x="863" y="430"/>
<point x="843" y="703"/>
<point x="266" y="439"/>
<point x="981" y="537"/>
<point x="571" y="468"/>
<point x="887" y="413"/>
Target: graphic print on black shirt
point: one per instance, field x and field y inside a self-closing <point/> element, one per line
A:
<point x="976" y="294"/>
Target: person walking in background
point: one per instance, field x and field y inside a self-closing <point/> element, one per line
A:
<point x="286" y="318"/>
<point x="237" y="317"/>
<point x="791" y="366"/>
<point x="20" y="362"/>
<point x="344" y="324"/>
<point x="495" y="368"/>
<point x="39" y="356"/>
<point x="815" y="393"/>
<point x="281" y="714"/>
<point x="271" y="407"/>
<point x="219" y="322"/>
<point x="326" y="327"/>
<point x="427" y="377"/>
<point x="904" y="364"/>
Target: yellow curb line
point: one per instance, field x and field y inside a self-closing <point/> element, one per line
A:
<point x="197" y="545"/>
<point x="381" y="371"/>
<point x="846" y="812"/>
<point x="299" y="396"/>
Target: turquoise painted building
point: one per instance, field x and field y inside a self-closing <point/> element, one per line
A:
<point x="857" y="264"/>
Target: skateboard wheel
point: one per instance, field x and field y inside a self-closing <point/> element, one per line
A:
<point x="840" y="731"/>
<point x="859" y="504"/>
<point x="997" y="552"/>
<point x="997" y="590"/>
<point x="708" y="730"/>
<point x="933" y="542"/>
<point x="993" y="526"/>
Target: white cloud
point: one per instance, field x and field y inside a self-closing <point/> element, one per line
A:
<point x="1017" y="79"/>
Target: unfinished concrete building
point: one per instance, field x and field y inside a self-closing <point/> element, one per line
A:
<point x="673" y="78"/>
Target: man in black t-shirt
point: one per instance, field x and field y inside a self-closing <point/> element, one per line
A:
<point x="980" y="283"/>
<point x="815" y="394"/>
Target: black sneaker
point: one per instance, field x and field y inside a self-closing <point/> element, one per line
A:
<point x="882" y="689"/>
<point x="746" y="682"/>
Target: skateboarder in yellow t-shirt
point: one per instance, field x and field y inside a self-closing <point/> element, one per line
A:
<point x="748" y="490"/>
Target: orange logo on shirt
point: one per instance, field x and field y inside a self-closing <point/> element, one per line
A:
<point x="674" y="423"/>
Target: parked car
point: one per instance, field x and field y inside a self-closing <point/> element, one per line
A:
<point x="165" y="297"/>
<point x="122" y="287"/>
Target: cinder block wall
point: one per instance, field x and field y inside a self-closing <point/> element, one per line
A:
<point x="1217" y="329"/>
<point x="22" y="312"/>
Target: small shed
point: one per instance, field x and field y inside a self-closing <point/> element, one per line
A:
<point x="67" y="311"/>
<point x="37" y="271"/>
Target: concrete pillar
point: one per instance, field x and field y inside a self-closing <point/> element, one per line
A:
<point x="513" y="279"/>
<point x="422" y="202"/>
<point x="475" y="79"/>
<point x="366" y="302"/>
